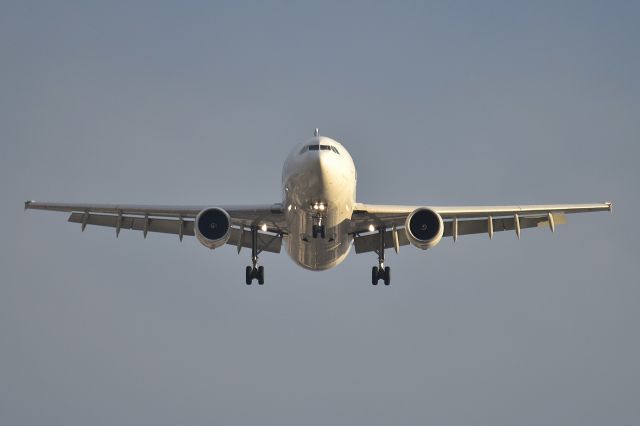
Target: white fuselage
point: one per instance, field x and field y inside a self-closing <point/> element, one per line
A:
<point x="319" y="186"/>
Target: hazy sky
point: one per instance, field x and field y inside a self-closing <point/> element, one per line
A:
<point x="438" y="103"/>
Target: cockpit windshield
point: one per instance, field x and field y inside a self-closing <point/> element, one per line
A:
<point x="320" y="147"/>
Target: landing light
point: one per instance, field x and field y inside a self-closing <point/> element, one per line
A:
<point x="264" y="227"/>
<point x="372" y="228"/>
<point x="321" y="206"/>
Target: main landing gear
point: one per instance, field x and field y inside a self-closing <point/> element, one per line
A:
<point x="381" y="272"/>
<point x="254" y="272"/>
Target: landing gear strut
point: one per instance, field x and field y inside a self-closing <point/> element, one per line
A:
<point x="318" y="230"/>
<point x="381" y="272"/>
<point x="254" y="272"/>
<point x="318" y="227"/>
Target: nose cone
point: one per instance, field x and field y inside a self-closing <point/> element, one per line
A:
<point x="319" y="178"/>
<point x="325" y="164"/>
<point x="331" y="177"/>
<point x="316" y="171"/>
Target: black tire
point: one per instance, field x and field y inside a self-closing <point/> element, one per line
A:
<point x="315" y="231"/>
<point x="387" y="275"/>
<point x="322" y="232"/>
<point x="261" y="275"/>
<point x="374" y="275"/>
<point x="248" y="274"/>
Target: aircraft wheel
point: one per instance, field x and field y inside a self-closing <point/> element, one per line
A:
<point x="387" y="275"/>
<point x="248" y="274"/>
<point x="374" y="275"/>
<point x="261" y="275"/>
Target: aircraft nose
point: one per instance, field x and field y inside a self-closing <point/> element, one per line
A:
<point x="324" y="162"/>
<point x="330" y="172"/>
<point x="319" y="177"/>
<point x="318" y="162"/>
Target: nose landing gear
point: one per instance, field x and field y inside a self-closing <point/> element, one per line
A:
<point x="318" y="230"/>
<point x="381" y="272"/>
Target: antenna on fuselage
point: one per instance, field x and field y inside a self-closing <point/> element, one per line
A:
<point x="316" y="132"/>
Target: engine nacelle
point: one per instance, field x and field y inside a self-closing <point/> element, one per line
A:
<point x="212" y="227"/>
<point x="424" y="228"/>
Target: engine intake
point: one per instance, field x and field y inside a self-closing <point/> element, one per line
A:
<point x="213" y="227"/>
<point x="424" y="228"/>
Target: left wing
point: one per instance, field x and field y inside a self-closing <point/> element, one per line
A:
<point x="460" y="220"/>
<point x="178" y="220"/>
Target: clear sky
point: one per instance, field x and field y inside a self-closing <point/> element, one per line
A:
<point x="438" y="102"/>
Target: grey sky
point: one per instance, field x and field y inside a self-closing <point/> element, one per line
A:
<point x="439" y="103"/>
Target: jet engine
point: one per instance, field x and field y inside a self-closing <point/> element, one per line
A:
<point x="424" y="228"/>
<point x="213" y="227"/>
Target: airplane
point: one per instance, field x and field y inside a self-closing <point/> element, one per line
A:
<point x="319" y="219"/>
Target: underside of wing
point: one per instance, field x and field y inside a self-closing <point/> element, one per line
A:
<point x="370" y="241"/>
<point x="398" y="212"/>
<point x="368" y="219"/>
<point x="178" y="220"/>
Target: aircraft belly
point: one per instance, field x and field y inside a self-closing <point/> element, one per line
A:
<point x="317" y="253"/>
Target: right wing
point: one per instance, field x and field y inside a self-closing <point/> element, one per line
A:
<point x="459" y="220"/>
<point x="178" y="220"/>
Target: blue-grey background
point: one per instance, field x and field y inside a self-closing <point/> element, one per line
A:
<point x="438" y="102"/>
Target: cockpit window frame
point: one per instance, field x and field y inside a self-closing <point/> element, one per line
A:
<point x="319" y="147"/>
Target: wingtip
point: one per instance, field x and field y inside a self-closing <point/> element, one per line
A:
<point x="27" y="203"/>
<point x="610" y="204"/>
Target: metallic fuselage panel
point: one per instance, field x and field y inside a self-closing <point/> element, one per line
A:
<point x="319" y="176"/>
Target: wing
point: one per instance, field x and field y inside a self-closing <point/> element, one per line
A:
<point x="460" y="220"/>
<point x="178" y="220"/>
